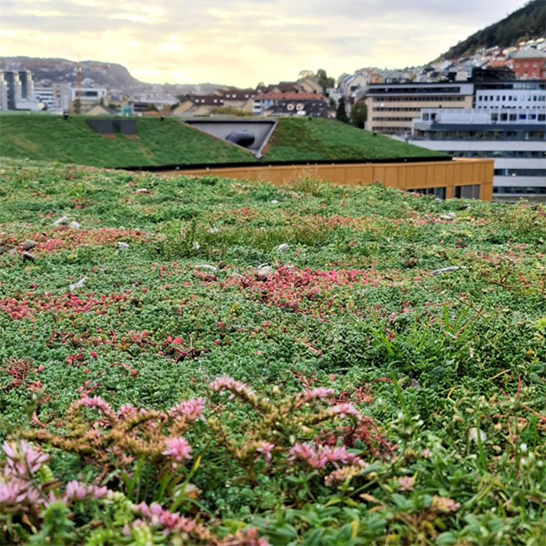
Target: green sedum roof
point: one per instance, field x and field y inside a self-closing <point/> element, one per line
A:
<point x="319" y="139"/>
<point x="170" y="142"/>
<point x="166" y="142"/>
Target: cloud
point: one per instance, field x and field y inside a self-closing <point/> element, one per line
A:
<point x="243" y="41"/>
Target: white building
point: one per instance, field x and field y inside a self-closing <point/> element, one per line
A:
<point x="55" y="97"/>
<point x="516" y="94"/>
<point x="515" y="138"/>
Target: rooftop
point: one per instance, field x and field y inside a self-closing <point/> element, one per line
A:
<point x="159" y="143"/>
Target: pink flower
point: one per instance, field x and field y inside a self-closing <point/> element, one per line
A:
<point x="190" y="409"/>
<point x="127" y="412"/>
<point x="322" y="455"/>
<point x="228" y="383"/>
<point x="23" y="460"/>
<point x="266" y="449"/>
<point x="319" y="393"/>
<point x="345" y="410"/>
<point x="178" y="448"/>
<point x="96" y="402"/>
<point x="77" y="491"/>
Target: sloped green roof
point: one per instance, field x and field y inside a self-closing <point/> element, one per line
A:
<point x="319" y="139"/>
<point x="170" y="142"/>
<point x="157" y="142"/>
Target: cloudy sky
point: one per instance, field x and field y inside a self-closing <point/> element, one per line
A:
<point x="242" y="42"/>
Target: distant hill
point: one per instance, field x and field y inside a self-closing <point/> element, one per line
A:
<point x="526" y="23"/>
<point x="100" y="74"/>
<point x="47" y="71"/>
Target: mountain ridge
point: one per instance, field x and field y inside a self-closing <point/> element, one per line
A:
<point x="527" y="22"/>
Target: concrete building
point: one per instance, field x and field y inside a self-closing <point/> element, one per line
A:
<point x="393" y="107"/>
<point x="510" y="94"/>
<point x="514" y="138"/>
<point x="56" y="97"/>
<point x="87" y="97"/>
<point x="13" y="89"/>
<point x="3" y="92"/>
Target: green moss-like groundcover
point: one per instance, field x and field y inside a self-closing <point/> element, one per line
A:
<point x="449" y="369"/>
<point x="170" y="142"/>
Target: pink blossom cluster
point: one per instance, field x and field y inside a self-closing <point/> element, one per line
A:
<point x="320" y="393"/>
<point x="227" y="383"/>
<point x="266" y="449"/>
<point x="170" y="522"/>
<point x="77" y="491"/>
<point x="33" y="304"/>
<point x="97" y="403"/>
<point x="64" y="238"/>
<point x="178" y="448"/>
<point x="345" y="410"/>
<point x="320" y="456"/>
<point x="17" y="489"/>
<point x="293" y="288"/>
<point x="190" y="409"/>
<point x="23" y="460"/>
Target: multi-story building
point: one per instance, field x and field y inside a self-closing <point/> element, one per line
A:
<point x="56" y="97"/>
<point x="83" y="99"/>
<point x="27" y="85"/>
<point x="510" y="94"/>
<point x="515" y="138"/>
<point x="13" y="89"/>
<point x="3" y="92"/>
<point x="393" y="107"/>
<point x="529" y="64"/>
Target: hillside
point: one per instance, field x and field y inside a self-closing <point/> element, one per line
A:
<point x="354" y="391"/>
<point x="170" y="142"/>
<point x="95" y="73"/>
<point x="47" y="71"/>
<point x="526" y="23"/>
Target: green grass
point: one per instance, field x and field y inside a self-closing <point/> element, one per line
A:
<point x="353" y="305"/>
<point x="318" y="139"/>
<point x="167" y="142"/>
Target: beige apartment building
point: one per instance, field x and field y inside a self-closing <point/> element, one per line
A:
<point x="393" y="106"/>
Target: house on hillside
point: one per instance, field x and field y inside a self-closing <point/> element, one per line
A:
<point x="266" y="101"/>
<point x="101" y="110"/>
<point x="309" y="85"/>
<point x="308" y="108"/>
<point x="529" y="64"/>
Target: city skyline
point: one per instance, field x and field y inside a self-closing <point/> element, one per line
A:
<point x="243" y="42"/>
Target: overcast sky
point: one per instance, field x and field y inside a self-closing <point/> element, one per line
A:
<point x="243" y="42"/>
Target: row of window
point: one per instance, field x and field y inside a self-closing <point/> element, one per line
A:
<point x="425" y="89"/>
<point x="391" y="109"/>
<point x="461" y="192"/>
<point x="468" y="192"/>
<point x="531" y="190"/>
<point x="438" y="192"/>
<point x="505" y="116"/>
<point x="520" y="172"/>
<point x="505" y="153"/>
<point x="409" y="120"/>
<point x="482" y="135"/>
<point x="419" y="99"/>
<point x="505" y="98"/>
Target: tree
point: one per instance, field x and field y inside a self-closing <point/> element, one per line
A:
<point x="324" y="81"/>
<point x="306" y="74"/>
<point x="359" y="114"/>
<point x="341" y="112"/>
